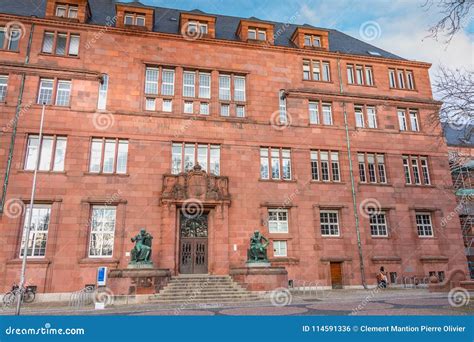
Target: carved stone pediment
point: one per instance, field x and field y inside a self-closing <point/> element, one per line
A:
<point x="197" y="184"/>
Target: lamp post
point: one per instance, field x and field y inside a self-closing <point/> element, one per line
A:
<point x="30" y="216"/>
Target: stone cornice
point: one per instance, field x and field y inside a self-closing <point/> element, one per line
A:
<point x="177" y="36"/>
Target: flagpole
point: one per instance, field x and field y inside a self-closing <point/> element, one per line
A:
<point x="30" y="216"/>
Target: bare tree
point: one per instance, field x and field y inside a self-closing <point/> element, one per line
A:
<point x="455" y="14"/>
<point x="455" y="88"/>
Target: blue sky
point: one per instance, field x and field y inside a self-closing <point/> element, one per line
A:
<point x="400" y="25"/>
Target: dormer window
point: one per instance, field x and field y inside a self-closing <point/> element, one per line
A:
<point x="195" y="26"/>
<point x="312" y="41"/>
<point x="67" y="11"/>
<point x="134" y="20"/>
<point x="257" y="34"/>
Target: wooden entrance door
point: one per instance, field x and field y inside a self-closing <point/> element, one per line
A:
<point x="193" y="243"/>
<point x="336" y="275"/>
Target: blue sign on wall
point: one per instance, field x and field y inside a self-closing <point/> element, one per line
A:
<point x="101" y="276"/>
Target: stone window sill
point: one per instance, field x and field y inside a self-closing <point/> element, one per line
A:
<point x="30" y="260"/>
<point x="106" y="174"/>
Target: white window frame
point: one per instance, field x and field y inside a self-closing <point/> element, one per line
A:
<point x="167" y="105"/>
<point x="377" y="225"/>
<point x="3" y="87"/>
<point x="34" y="231"/>
<point x="313" y="108"/>
<point x="423" y="227"/>
<point x="101" y="231"/>
<point x="189" y="88"/>
<point x="280" y="248"/>
<point x="103" y="88"/>
<point x="329" y="224"/>
<point x="167" y="87"/>
<point x="43" y="88"/>
<point x="63" y="96"/>
<point x="151" y="85"/>
<point x="278" y="225"/>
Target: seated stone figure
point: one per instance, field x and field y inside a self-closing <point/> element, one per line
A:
<point x="258" y="248"/>
<point x="141" y="253"/>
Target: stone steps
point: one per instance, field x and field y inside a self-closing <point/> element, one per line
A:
<point x="202" y="289"/>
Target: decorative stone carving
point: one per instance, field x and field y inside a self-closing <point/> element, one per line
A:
<point x="196" y="184"/>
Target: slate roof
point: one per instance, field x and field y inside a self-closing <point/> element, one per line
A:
<point x="459" y="137"/>
<point x="167" y="21"/>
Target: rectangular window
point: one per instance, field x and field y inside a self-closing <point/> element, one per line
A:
<point x="371" y="117"/>
<point x="378" y="224"/>
<point x="401" y="79"/>
<point x="3" y="87"/>
<point x="425" y="171"/>
<point x="188" y="83"/>
<point x="326" y="72"/>
<point x="128" y="19"/>
<point x="150" y="103"/>
<point x="167" y="105"/>
<point x="412" y="170"/>
<point x="402" y="119"/>
<point x="423" y="224"/>
<point x="262" y="35"/>
<point x="278" y="221"/>
<point x="314" y="113"/>
<point x="151" y="81"/>
<point x="392" y="79"/>
<point x="325" y="166"/>
<point x="73" y="45"/>
<point x="327" y="114"/>
<point x="329" y="222"/>
<point x="369" y="76"/>
<point x="406" y="169"/>
<point x="240" y="111"/>
<point x="188" y="107"/>
<point x="61" y="11"/>
<point x="280" y="249"/>
<point x="224" y="87"/>
<point x="410" y="80"/>
<point x="204" y="108"/>
<point x="103" y="87"/>
<point x="359" y="74"/>
<point x="359" y="115"/>
<point x="362" y="170"/>
<point x="252" y="34"/>
<point x="102" y="233"/>
<point x="279" y="161"/>
<point x="10" y="40"/>
<point x="48" y="42"/>
<point x="350" y="74"/>
<point x="45" y="94"/>
<point x="414" y="120"/>
<point x="306" y="70"/>
<point x="61" y="41"/>
<point x="316" y="71"/>
<point x="185" y="155"/>
<point x="204" y="85"/>
<point x="239" y="88"/>
<point x="63" y="93"/>
<point x="38" y="234"/>
<point x="264" y="165"/>
<point x="52" y="154"/>
<point x="314" y="166"/>
<point x="167" y="85"/>
<point x="282" y="107"/>
<point x="104" y="153"/>
<point x="140" y="21"/>
<point x="225" y="109"/>
<point x="371" y="167"/>
<point x="72" y="13"/>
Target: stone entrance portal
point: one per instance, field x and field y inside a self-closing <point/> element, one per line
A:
<point x="193" y="251"/>
<point x="195" y="215"/>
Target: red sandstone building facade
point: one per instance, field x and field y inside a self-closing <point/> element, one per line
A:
<point x="300" y="132"/>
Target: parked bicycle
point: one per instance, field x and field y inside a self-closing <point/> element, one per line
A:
<point x="28" y="295"/>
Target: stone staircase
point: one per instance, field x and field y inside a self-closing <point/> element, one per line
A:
<point x="202" y="288"/>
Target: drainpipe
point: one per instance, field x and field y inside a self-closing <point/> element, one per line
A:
<point x="351" y="168"/>
<point x="15" y="123"/>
